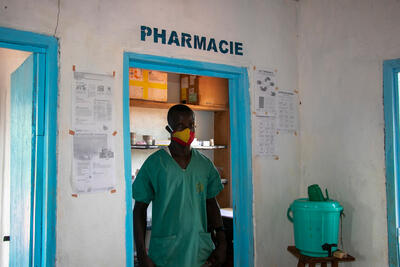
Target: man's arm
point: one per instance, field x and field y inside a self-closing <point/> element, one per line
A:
<point x="215" y="221"/>
<point x="139" y="227"/>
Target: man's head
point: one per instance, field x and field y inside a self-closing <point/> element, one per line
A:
<point x="181" y="117"/>
<point x="181" y="124"/>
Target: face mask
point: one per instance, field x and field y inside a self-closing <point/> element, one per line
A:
<point x="184" y="137"/>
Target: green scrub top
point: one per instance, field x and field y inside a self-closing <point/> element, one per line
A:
<point x="179" y="235"/>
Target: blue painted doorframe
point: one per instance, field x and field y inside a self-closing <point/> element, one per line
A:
<point x="391" y="99"/>
<point x="239" y="103"/>
<point x="45" y="49"/>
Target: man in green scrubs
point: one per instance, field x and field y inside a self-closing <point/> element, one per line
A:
<point x="182" y="184"/>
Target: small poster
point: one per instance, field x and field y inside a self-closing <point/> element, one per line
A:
<point x="265" y="93"/>
<point x="93" y="164"/>
<point x="287" y="111"/>
<point x="92" y="102"/>
<point x="265" y="131"/>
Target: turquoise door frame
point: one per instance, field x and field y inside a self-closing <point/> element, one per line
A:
<point x="240" y="119"/>
<point x="45" y="48"/>
<point x="391" y="101"/>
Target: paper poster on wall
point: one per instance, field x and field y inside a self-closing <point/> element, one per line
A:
<point x="93" y="164"/>
<point x="92" y="96"/>
<point x="287" y="111"/>
<point x="265" y="131"/>
<point x="265" y="93"/>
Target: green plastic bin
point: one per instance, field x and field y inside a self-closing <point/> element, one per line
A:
<point x="316" y="226"/>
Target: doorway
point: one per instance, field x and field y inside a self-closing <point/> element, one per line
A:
<point x="14" y="64"/>
<point x="391" y="94"/>
<point x="32" y="150"/>
<point x="240" y="134"/>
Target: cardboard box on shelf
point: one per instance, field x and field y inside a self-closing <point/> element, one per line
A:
<point x="213" y="91"/>
<point x="189" y="89"/>
<point x="148" y="84"/>
<point x="204" y="91"/>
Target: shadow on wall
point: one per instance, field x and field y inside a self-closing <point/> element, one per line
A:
<point x="348" y="228"/>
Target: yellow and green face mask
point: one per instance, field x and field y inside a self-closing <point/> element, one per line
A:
<point x="184" y="137"/>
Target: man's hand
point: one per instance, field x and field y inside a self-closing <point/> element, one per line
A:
<point x="139" y="221"/>
<point x="218" y="256"/>
<point x="147" y="262"/>
<point x="214" y="220"/>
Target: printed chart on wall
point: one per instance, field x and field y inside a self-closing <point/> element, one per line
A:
<point x="287" y="111"/>
<point x="265" y="93"/>
<point x="93" y="164"/>
<point x="275" y="111"/>
<point x="265" y="136"/>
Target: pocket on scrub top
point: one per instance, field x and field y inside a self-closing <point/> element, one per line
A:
<point x="206" y="246"/>
<point x="161" y="249"/>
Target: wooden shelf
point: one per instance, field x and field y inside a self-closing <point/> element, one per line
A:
<point x="196" y="147"/>
<point x="144" y="147"/>
<point x="209" y="147"/>
<point x="167" y="105"/>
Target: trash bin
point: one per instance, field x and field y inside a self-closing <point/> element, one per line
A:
<point x="316" y="226"/>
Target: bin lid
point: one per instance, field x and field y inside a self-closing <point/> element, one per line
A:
<point x="329" y="205"/>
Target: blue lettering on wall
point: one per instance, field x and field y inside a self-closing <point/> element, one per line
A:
<point x="223" y="50"/>
<point x="159" y="35"/>
<point x="144" y="31"/>
<point x="231" y="47"/>
<point x="200" y="43"/>
<point x="173" y="38"/>
<point x="239" y="49"/>
<point x="185" y="39"/>
<point x="212" y="45"/>
<point x="194" y="42"/>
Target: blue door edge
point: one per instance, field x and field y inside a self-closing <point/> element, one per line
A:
<point x="46" y="149"/>
<point x="391" y="115"/>
<point x="127" y="165"/>
<point x="22" y="160"/>
<point x="241" y="155"/>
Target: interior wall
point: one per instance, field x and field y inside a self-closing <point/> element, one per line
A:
<point x="9" y="61"/>
<point x="342" y="45"/>
<point x="93" y="35"/>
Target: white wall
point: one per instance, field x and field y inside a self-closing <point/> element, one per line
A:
<point x="342" y="46"/>
<point x="93" y="35"/>
<point x="9" y="61"/>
